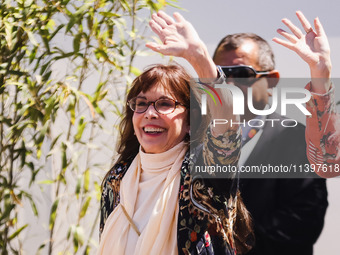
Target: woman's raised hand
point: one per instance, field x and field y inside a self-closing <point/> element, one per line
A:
<point x="179" y="37"/>
<point x="312" y="46"/>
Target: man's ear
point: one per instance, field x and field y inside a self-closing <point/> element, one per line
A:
<point x="273" y="78"/>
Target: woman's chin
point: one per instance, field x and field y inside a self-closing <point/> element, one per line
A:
<point x="153" y="147"/>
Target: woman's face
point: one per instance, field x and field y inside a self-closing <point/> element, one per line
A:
<point x="156" y="132"/>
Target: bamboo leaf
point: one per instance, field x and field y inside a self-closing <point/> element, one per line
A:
<point x="83" y="8"/>
<point x="8" y="30"/>
<point x="50" y="24"/>
<point x="81" y="127"/>
<point x="78" y="237"/>
<point x="110" y="14"/>
<point x="76" y="42"/>
<point x="63" y="157"/>
<point x="86" y="180"/>
<point x="53" y="213"/>
<point x="46" y="182"/>
<point x="125" y="5"/>
<point x="84" y="208"/>
<point x="41" y="247"/>
<point x="98" y="191"/>
<point x="5" y="214"/>
<point x="98" y="110"/>
<point x="135" y="71"/>
<point x="89" y="104"/>
<point x="172" y="4"/>
<point x="78" y="186"/>
<point x="71" y="23"/>
<point x="30" y="199"/>
<point x="55" y="140"/>
<point x="31" y="37"/>
<point x="16" y="233"/>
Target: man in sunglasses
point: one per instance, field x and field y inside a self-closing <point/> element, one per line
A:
<point x="288" y="214"/>
<point x="247" y="60"/>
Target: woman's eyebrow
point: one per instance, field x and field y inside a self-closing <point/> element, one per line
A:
<point x="162" y="97"/>
<point x="165" y="97"/>
<point x="141" y="97"/>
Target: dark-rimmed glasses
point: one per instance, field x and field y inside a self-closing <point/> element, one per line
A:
<point x="242" y="74"/>
<point x="161" y="105"/>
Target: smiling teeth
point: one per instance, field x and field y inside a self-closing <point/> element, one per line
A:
<point x="153" y="130"/>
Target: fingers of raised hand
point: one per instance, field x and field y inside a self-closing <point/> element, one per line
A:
<point x="304" y="22"/>
<point x="168" y="19"/>
<point x="295" y="30"/>
<point x="163" y="49"/>
<point x="156" y="28"/>
<point x="288" y="36"/>
<point x="159" y="20"/>
<point x="319" y="28"/>
<point x="153" y="46"/>
<point x="178" y="17"/>
<point x="284" y="43"/>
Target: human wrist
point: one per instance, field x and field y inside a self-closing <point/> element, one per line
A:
<point x="196" y="51"/>
<point x="322" y="69"/>
<point x="199" y="58"/>
<point x="320" y="85"/>
<point x="320" y="77"/>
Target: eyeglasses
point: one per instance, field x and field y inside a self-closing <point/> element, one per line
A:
<point x="245" y="75"/>
<point x="162" y="105"/>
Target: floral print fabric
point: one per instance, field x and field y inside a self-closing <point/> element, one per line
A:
<point x="207" y="206"/>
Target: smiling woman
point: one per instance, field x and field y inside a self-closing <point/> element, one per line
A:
<point x="151" y="203"/>
<point x="166" y="123"/>
<point x="162" y="80"/>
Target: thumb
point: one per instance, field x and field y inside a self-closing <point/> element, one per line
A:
<point x="178" y="17"/>
<point x="156" y="47"/>
<point x="153" y="46"/>
<point x="318" y="27"/>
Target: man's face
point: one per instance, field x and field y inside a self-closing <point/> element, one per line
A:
<point x="246" y="54"/>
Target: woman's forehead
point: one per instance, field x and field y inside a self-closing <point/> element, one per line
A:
<point x="157" y="91"/>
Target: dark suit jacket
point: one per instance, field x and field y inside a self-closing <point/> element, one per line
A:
<point x="288" y="214"/>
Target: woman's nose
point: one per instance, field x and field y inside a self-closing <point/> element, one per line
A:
<point x="151" y="112"/>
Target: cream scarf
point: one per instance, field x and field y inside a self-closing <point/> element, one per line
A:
<point x="149" y="196"/>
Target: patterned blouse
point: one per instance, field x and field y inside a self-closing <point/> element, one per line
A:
<point x="323" y="133"/>
<point x="207" y="206"/>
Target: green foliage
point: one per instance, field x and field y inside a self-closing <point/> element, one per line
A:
<point x="65" y="66"/>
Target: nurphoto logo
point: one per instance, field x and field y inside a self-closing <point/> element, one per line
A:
<point x="238" y="100"/>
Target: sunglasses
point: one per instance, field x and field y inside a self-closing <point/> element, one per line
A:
<point x="243" y="75"/>
<point x="163" y="105"/>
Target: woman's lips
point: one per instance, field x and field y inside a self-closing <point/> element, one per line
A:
<point x="153" y="130"/>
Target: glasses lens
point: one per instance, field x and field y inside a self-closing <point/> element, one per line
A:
<point x="138" y="104"/>
<point x="242" y="75"/>
<point x="165" y="106"/>
<point x="244" y="72"/>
